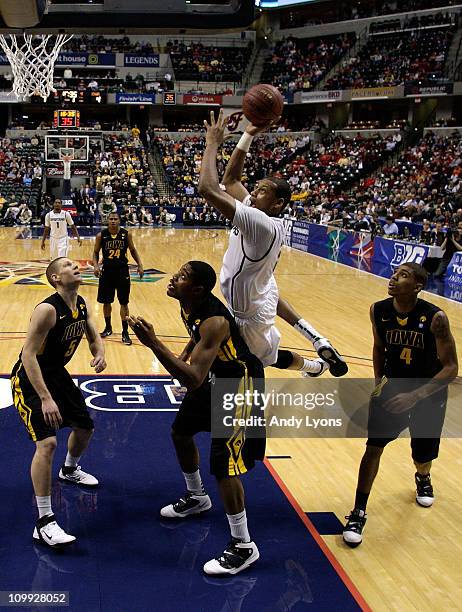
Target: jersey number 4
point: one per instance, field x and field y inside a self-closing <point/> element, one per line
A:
<point x="406" y="355"/>
<point x="114" y="253"/>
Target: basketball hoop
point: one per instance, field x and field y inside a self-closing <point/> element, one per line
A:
<point x="32" y="58"/>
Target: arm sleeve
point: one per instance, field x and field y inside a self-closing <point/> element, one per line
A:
<point x="69" y="219"/>
<point x="256" y="227"/>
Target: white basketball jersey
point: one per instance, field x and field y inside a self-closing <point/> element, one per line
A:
<point x="247" y="272"/>
<point x="58" y="222"/>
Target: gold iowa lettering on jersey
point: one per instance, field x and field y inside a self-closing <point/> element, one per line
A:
<point x="74" y="330"/>
<point x="115" y="244"/>
<point x="405" y="337"/>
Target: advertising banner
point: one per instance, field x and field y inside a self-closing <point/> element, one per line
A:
<point x="394" y="253"/>
<point x="69" y="58"/>
<point x="373" y="92"/>
<point x="134" y="98"/>
<point x="205" y="99"/>
<point x="133" y="59"/>
<point x="427" y="88"/>
<point x="308" y="97"/>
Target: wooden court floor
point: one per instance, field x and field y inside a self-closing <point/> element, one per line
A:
<point x="411" y="557"/>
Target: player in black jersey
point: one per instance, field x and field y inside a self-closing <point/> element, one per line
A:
<point x="113" y="274"/>
<point x="216" y="350"/>
<point x="412" y="342"/>
<point x="45" y="395"/>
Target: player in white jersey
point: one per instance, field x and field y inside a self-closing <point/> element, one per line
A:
<point x="56" y="224"/>
<point x="247" y="276"/>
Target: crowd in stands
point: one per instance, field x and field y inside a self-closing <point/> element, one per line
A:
<point x="423" y="186"/>
<point x="197" y="62"/>
<point x="391" y="59"/>
<point x="20" y="179"/>
<point x="104" y="44"/>
<point x="121" y="174"/>
<point x="298" y="64"/>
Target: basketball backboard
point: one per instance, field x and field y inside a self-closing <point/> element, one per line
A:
<point x="136" y="16"/>
<point x="58" y="146"/>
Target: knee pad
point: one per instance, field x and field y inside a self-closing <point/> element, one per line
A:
<point x="285" y="360"/>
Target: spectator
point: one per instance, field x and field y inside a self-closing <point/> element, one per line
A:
<point x="390" y="228"/>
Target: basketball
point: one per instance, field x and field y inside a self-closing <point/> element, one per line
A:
<point x="263" y="104"/>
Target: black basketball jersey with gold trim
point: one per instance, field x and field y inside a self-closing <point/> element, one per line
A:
<point x="114" y="248"/>
<point x="234" y="352"/>
<point x="410" y="346"/>
<point x="64" y="338"/>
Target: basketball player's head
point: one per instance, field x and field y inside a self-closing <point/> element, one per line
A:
<point x="57" y="205"/>
<point x="63" y="272"/>
<point x="407" y="280"/>
<point x="113" y="222"/>
<point x="193" y="282"/>
<point x="271" y="195"/>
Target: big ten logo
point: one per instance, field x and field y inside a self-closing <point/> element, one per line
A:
<point x="233" y="121"/>
<point x="407" y="253"/>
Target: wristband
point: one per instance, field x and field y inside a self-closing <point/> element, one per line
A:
<point x="245" y="142"/>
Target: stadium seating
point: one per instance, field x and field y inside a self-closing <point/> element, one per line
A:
<point x="298" y="64"/>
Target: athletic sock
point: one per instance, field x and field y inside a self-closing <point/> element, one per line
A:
<point x="361" y="500"/>
<point x="71" y="462"/>
<point x="307" y="330"/>
<point x="312" y="366"/>
<point x="108" y="322"/>
<point x="238" y="525"/>
<point x="125" y="327"/>
<point x="44" y="505"/>
<point x="194" y="482"/>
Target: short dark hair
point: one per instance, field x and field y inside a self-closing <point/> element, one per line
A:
<point x="51" y="269"/>
<point x="389" y="218"/>
<point x="203" y="275"/>
<point x="418" y="272"/>
<point x="282" y="188"/>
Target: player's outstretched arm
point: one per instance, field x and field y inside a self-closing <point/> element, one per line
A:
<point x="135" y="255"/>
<point x="95" y="345"/>
<point x="42" y="320"/>
<point x="192" y="375"/>
<point x="96" y="250"/>
<point x="232" y="178"/>
<point x="209" y="185"/>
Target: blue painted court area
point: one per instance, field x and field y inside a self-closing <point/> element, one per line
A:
<point x="126" y="558"/>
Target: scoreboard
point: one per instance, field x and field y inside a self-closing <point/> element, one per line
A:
<point x="64" y="118"/>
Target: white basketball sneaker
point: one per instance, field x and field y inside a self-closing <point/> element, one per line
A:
<point x="47" y="531"/>
<point x="187" y="505"/>
<point x="318" y="369"/>
<point x="77" y="476"/>
<point x="236" y="557"/>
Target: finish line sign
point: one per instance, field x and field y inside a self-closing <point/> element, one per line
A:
<point x="119" y="393"/>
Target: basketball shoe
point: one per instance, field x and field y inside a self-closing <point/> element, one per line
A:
<point x="187" y="505"/>
<point x="107" y="331"/>
<point x="47" y="531"/>
<point x="236" y="557"/>
<point x="323" y="366"/>
<point x="326" y="351"/>
<point x="77" y="476"/>
<point x="353" y="531"/>
<point x="424" y="493"/>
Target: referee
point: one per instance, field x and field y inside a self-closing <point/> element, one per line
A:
<point x="113" y="274"/>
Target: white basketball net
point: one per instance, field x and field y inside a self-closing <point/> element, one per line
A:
<point x="32" y="58"/>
